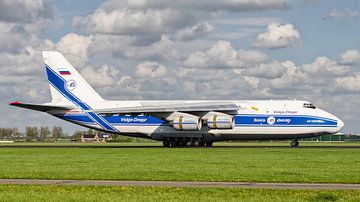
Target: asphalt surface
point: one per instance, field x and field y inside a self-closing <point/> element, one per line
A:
<point x="151" y="146"/>
<point x="185" y="184"/>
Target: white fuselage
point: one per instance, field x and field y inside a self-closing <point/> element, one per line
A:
<point x="284" y="119"/>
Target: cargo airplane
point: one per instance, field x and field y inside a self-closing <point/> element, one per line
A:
<point x="179" y="122"/>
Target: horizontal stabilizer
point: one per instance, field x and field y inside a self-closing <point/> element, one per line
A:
<point x="40" y="107"/>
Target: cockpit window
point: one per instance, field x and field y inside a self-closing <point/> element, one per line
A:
<point x="309" y="105"/>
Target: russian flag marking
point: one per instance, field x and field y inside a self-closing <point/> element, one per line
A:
<point x="64" y="72"/>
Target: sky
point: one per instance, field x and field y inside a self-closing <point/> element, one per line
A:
<point x="185" y="49"/>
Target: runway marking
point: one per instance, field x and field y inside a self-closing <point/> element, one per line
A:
<point x="313" y="186"/>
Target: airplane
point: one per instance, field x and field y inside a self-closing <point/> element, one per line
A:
<point x="179" y="122"/>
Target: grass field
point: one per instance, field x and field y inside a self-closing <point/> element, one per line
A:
<point x="159" y="144"/>
<point x="108" y="193"/>
<point x="329" y="165"/>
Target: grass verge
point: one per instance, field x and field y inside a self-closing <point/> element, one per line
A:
<point x="310" y="165"/>
<point x="115" y="193"/>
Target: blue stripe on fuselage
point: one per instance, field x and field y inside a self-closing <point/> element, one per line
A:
<point x="284" y="120"/>
<point x="240" y="120"/>
<point x="59" y="84"/>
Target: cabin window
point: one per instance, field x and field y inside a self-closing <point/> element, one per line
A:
<point x="309" y="105"/>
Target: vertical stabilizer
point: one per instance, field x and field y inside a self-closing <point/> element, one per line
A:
<point x="66" y="84"/>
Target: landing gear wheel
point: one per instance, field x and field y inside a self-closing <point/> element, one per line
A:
<point x="182" y="142"/>
<point x="294" y="143"/>
<point x="173" y="142"/>
<point x="166" y="143"/>
<point x="193" y="142"/>
<point x="201" y="143"/>
<point x="209" y="144"/>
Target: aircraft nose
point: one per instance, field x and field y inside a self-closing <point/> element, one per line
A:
<point x="340" y="124"/>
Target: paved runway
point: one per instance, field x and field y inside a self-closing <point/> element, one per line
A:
<point x="152" y="146"/>
<point x="186" y="184"/>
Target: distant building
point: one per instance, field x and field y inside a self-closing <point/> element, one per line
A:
<point x="103" y="137"/>
<point x="99" y="137"/>
<point x="327" y="138"/>
<point x="87" y="138"/>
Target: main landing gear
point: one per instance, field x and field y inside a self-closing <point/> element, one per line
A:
<point x="183" y="142"/>
<point x="294" y="143"/>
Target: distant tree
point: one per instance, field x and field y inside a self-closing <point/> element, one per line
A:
<point x="77" y="135"/>
<point x="32" y="133"/>
<point x="5" y="133"/>
<point x="44" y="134"/>
<point x="57" y="132"/>
<point x="15" y="134"/>
<point x="90" y="132"/>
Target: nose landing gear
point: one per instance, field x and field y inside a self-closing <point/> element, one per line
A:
<point x="294" y="143"/>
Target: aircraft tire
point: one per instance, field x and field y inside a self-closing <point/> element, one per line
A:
<point x="173" y="142"/>
<point x="166" y="143"/>
<point x="201" y="143"/>
<point x="294" y="143"/>
<point x="181" y="142"/>
<point x="192" y="142"/>
<point x="209" y="144"/>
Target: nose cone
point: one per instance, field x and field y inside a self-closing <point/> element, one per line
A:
<point x="340" y="124"/>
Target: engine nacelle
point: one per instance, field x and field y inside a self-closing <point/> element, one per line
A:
<point x="220" y="121"/>
<point x="187" y="122"/>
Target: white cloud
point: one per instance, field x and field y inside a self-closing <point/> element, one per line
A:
<point x="346" y="14"/>
<point x="273" y="69"/>
<point x="105" y="76"/>
<point x="277" y="36"/>
<point x="126" y="48"/>
<point x="350" y="83"/>
<point x="212" y="5"/>
<point x="223" y="55"/>
<point x="21" y="22"/>
<point x="323" y="66"/>
<point x="150" y="70"/>
<point x="75" y="48"/>
<point x="24" y="11"/>
<point x="11" y="38"/>
<point x="312" y="1"/>
<point x="198" y="30"/>
<point x="26" y="63"/>
<point x="233" y="35"/>
<point x="350" y="57"/>
<point x="256" y="21"/>
<point x="127" y="21"/>
<point x="292" y="78"/>
<point x="154" y="18"/>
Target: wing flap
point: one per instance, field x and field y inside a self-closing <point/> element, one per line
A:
<point x="187" y="107"/>
<point x="40" y="107"/>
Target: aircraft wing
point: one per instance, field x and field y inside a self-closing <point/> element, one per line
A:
<point x="183" y="107"/>
<point x="40" y="107"/>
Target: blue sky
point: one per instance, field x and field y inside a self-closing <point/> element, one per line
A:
<point x="321" y="36"/>
<point x="271" y="49"/>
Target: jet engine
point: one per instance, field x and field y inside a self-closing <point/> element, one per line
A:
<point x="187" y="122"/>
<point x="220" y="121"/>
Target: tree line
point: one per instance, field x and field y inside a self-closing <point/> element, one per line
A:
<point x="41" y="134"/>
<point x="56" y="133"/>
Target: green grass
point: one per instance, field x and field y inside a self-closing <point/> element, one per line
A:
<point x="158" y="143"/>
<point x="116" y="193"/>
<point x="326" y="165"/>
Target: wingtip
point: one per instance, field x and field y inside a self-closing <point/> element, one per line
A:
<point x="15" y="103"/>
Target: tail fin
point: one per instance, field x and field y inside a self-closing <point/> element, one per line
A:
<point x="66" y="84"/>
